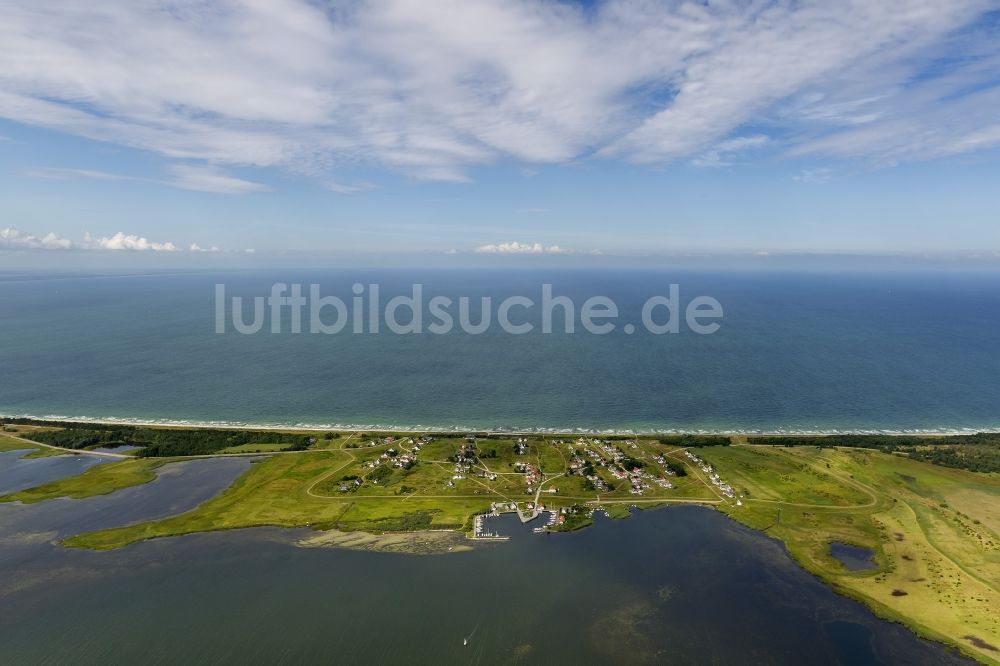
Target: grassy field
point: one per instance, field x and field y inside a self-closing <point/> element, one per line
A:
<point x="933" y="531"/>
<point x="254" y="448"/>
<point x="98" y="480"/>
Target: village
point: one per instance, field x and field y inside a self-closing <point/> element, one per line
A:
<point x="591" y="459"/>
<point x="562" y="481"/>
<point x="620" y="465"/>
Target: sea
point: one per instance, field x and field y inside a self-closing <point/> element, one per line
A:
<point x="793" y="351"/>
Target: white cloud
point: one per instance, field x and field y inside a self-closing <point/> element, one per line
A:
<point x="210" y="179"/>
<point x="11" y="238"/>
<point x="721" y="154"/>
<point x="348" y="188"/>
<point x="820" y="175"/>
<point x="185" y="177"/>
<point x="430" y="89"/>
<point x="769" y="52"/>
<point x="511" y="248"/>
<point x="56" y="173"/>
<point x="122" y="241"/>
<point x="54" y="242"/>
<point x="15" y="239"/>
<point x="515" y="247"/>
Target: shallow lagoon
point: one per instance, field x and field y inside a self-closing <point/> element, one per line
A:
<point x="19" y="472"/>
<point x="679" y="585"/>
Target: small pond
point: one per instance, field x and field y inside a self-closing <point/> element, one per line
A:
<point x="854" y="558"/>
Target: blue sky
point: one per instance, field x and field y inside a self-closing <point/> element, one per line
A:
<point x="241" y="132"/>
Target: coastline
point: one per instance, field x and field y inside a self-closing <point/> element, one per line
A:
<point x="942" y="431"/>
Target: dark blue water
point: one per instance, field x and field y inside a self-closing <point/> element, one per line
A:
<point x="795" y="351"/>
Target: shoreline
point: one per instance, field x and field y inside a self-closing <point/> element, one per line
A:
<point x="943" y="431"/>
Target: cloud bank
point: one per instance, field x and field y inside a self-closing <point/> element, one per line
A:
<point x="432" y="89"/>
<point x="15" y="239"/>
<point x="123" y="241"/>
<point x="518" y="248"/>
<point x="515" y="247"/>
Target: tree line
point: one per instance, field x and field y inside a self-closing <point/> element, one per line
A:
<point x="160" y="442"/>
<point x="978" y="452"/>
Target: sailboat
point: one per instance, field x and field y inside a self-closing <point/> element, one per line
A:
<point x="465" y="641"/>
